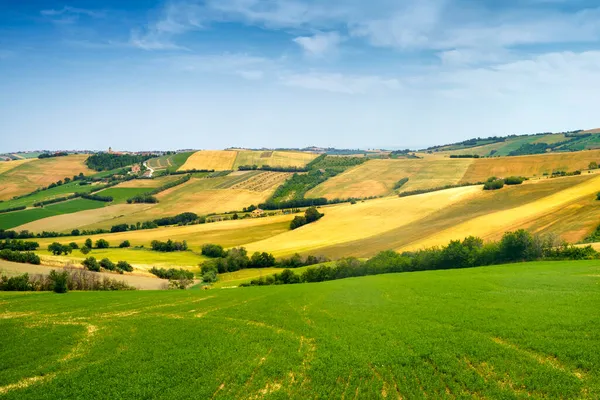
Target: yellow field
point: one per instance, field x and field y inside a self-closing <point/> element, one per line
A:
<point x="346" y="223"/>
<point x="68" y="222"/>
<point x="231" y="279"/>
<point x="377" y="177"/>
<point x="8" y="165"/>
<point x="273" y="158"/>
<point x="219" y="160"/>
<point x="535" y="165"/>
<point x="493" y="225"/>
<point x="30" y="175"/>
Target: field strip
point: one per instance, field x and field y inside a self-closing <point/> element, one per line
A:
<point x="349" y="222"/>
<point x="495" y="224"/>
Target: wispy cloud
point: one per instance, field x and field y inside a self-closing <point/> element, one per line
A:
<point x="70" y="15"/>
<point x="339" y="83"/>
<point x="320" y="44"/>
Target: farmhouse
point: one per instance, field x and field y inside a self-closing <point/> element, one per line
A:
<point x="258" y="213"/>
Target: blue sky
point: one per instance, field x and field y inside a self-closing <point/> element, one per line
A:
<point x="291" y="73"/>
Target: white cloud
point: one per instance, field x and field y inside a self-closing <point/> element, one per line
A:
<point x="321" y="44"/>
<point x="70" y="15"/>
<point x="339" y="83"/>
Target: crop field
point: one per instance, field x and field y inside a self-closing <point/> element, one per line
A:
<point x="515" y="331"/>
<point x="261" y="182"/>
<point x="18" y="218"/>
<point x="218" y="160"/>
<point x="535" y="165"/>
<point x="171" y="162"/>
<point x="148" y="183"/>
<point x="59" y="191"/>
<point x="31" y="175"/>
<point x="273" y="158"/>
<point x="120" y="194"/>
<point x="232" y="279"/>
<point x="8" y="165"/>
<point x="68" y="222"/>
<point x="377" y="177"/>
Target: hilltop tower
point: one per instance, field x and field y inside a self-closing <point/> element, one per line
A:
<point x="110" y="150"/>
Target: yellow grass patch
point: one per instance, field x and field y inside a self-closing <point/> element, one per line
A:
<point x="345" y="223"/>
<point x="493" y="225"/>
<point x="219" y="160"/>
<point x="30" y="175"/>
<point x="68" y="222"/>
<point x="264" y="182"/>
<point x="273" y="158"/>
<point x="551" y="139"/>
<point x="8" y="165"/>
<point x="377" y="177"/>
<point x="535" y="165"/>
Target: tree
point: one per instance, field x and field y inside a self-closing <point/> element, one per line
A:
<point x="75" y="232"/>
<point x="125" y="244"/>
<point x="57" y="249"/>
<point x="85" y="250"/>
<point x="124" y="266"/>
<point x="593" y="165"/>
<point x="59" y="281"/>
<point x="235" y="216"/>
<point x="101" y="244"/>
<point x="312" y="215"/>
<point x="107" y="264"/>
<point x="88" y="243"/>
<point x="297" y="222"/>
<point x="74" y="245"/>
<point x="213" y="251"/>
<point x="91" y="264"/>
<point x="516" y="246"/>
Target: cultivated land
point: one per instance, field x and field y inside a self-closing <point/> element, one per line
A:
<point x="37" y="173"/>
<point x="171" y="162"/>
<point x="515" y="331"/>
<point x="223" y="160"/>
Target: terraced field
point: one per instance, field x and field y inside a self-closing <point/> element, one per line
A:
<point x="30" y="175"/>
<point x="503" y="332"/>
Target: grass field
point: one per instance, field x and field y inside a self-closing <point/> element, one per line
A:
<point x="59" y="191"/>
<point x="18" y="218"/>
<point x="31" y="175"/>
<point x="511" y="332"/>
<point x="171" y="162"/>
<point x="8" y="165"/>
<point x="120" y="194"/>
<point x="148" y="183"/>
<point x="377" y="177"/>
<point x="535" y="165"/>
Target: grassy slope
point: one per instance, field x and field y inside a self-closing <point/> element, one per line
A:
<point x="273" y="158"/>
<point x="18" y="218"/>
<point x="173" y="161"/>
<point x="377" y="177"/>
<point x="59" y="191"/>
<point x="497" y="332"/>
<point x="8" y="165"/>
<point x="39" y="173"/>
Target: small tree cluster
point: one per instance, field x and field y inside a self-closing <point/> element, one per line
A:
<point x="168" y="246"/>
<point x="493" y="183"/>
<point x="310" y="215"/>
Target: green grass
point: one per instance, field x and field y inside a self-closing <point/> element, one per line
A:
<point x="171" y="162"/>
<point x="59" y="191"/>
<point x="14" y="219"/>
<point x="120" y="195"/>
<point x="510" y="332"/>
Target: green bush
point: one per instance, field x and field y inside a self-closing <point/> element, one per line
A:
<point x="514" y="180"/>
<point x="125" y="244"/>
<point x="493" y="184"/>
<point x="102" y="244"/>
<point x="59" y="281"/>
<point x="91" y="264"/>
<point x="124" y="266"/>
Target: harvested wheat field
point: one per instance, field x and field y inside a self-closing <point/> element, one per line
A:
<point x="30" y="175"/>
<point x="348" y="222"/>
<point x="68" y="222"/>
<point x="529" y="166"/>
<point x="377" y="177"/>
<point x="219" y="160"/>
<point x="273" y="158"/>
<point x="148" y="183"/>
<point x="8" y="165"/>
<point x="493" y="225"/>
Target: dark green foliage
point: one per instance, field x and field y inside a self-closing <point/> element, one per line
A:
<point x="531" y="148"/>
<point x="180" y="219"/>
<point x="51" y="155"/>
<point x="400" y="183"/>
<point x="294" y="203"/>
<point x="142" y="199"/>
<point x="598" y="196"/>
<point x="56" y="200"/>
<point x="298" y="185"/>
<point x="296" y="261"/>
<point x="107" y="264"/>
<point x="594" y="236"/>
<point x="310" y="215"/>
<point x="57" y="249"/>
<point x="18" y="245"/>
<point x="124" y="266"/>
<point x="119" y="228"/>
<point x="235" y="259"/>
<point x="149" y="196"/>
<point x="107" y="162"/>
<point x="169" y="246"/>
<point x="493" y="184"/>
<point x="261" y="260"/>
<point x="88" y="243"/>
<point x="20" y="257"/>
<point x="464" y="156"/>
<point x="91" y="264"/>
<point x="125" y="244"/>
<point x="514" y="180"/>
<point x="337" y="164"/>
<point x="271" y="168"/>
<point x="172" y="273"/>
<point x="73" y="245"/>
<point x="16" y="283"/>
<point x="101" y="244"/>
<point x="213" y="251"/>
<point x="97" y="197"/>
<point x="59" y="281"/>
<point x="75" y="232"/>
<point x="85" y="250"/>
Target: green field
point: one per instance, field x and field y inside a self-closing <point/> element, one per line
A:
<point x="59" y="191"/>
<point x="170" y="162"/>
<point x="17" y="218"/>
<point x="510" y="332"/>
<point x="120" y="195"/>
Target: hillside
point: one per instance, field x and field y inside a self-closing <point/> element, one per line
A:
<point x="515" y="331"/>
<point x="28" y="175"/>
<point x="232" y="159"/>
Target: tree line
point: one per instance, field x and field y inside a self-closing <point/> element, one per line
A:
<point x="518" y="246"/>
<point x="51" y="155"/>
<point x="107" y="161"/>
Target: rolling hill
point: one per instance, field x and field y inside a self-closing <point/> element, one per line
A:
<point x="223" y="160"/>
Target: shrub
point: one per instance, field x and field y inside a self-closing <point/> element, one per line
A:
<point x="102" y="244"/>
<point x="213" y="251"/>
<point x="18" y="245"/>
<point x="169" y="246"/>
<point x="59" y="281"/>
<point x="57" y="249"/>
<point x="125" y="244"/>
<point x="400" y="183"/>
<point x="598" y="196"/>
<point x="91" y="264"/>
<point x="124" y="266"/>
<point x="107" y="264"/>
<point x="297" y="222"/>
<point x="514" y="180"/>
<point x="88" y="243"/>
<point x="74" y="246"/>
<point x="172" y="273"/>
<point x="20" y="257"/>
<point x="310" y="215"/>
<point x="85" y="250"/>
<point x="493" y="184"/>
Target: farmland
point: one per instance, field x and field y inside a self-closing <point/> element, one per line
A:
<point x="232" y="159"/>
<point x="171" y="162"/>
<point x="36" y="173"/>
<point x="18" y="218"/>
<point x="522" y="330"/>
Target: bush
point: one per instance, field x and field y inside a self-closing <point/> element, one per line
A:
<point x="514" y="180"/>
<point x="88" y="243"/>
<point x="400" y="183"/>
<point x="107" y="264"/>
<point x="91" y="264"/>
<point x="124" y="266"/>
<point x="169" y="246"/>
<point x="142" y="199"/>
<point x="74" y="246"/>
<point x="119" y="228"/>
<point x="213" y="251"/>
<point x="125" y="244"/>
<point x="18" y="245"/>
<point x="297" y="222"/>
<point x="598" y="196"/>
<point x="180" y="219"/>
<point x="59" y="281"/>
<point x="85" y="250"/>
<point x="102" y="244"/>
<point x="57" y="249"/>
<point x="172" y="273"/>
<point x="493" y="184"/>
<point x="310" y="215"/>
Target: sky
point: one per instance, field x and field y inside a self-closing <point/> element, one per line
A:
<point x="210" y="74"/>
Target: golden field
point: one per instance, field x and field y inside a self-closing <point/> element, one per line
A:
<point x="32" y="174"/>
<point x="223" y="160"/>
<point x="219" y="160"/>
